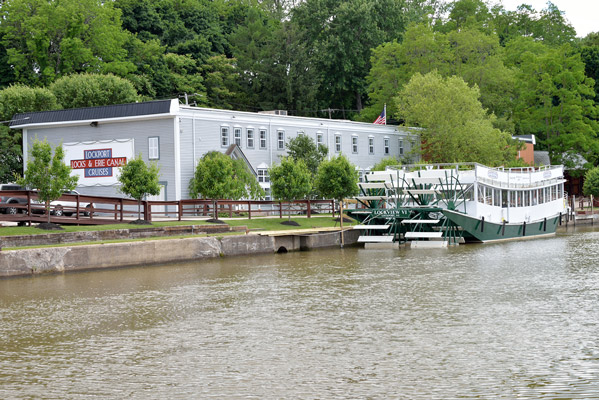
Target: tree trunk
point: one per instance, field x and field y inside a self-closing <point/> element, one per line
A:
<point x="48" y="210"/>
<point x="215" y="210"/>
<point x="138" y="208"/>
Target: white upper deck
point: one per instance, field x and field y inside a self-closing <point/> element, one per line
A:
<point x="468" y="173"/>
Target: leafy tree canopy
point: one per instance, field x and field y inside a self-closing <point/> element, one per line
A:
<point x="290" y="180"/>
<point x="91" y="90"/>
<point x="14" y="100"/>
<point x="591" y="183"/>
<point x="45" y="40"/>
<point x="337" y="178"/>
<point x="217" y="176"/>
<point x="456" y="128"/>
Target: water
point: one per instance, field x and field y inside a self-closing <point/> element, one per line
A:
<point x="501" y="321"/>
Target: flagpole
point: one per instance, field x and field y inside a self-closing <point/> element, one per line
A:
<point x="385" y="113"/>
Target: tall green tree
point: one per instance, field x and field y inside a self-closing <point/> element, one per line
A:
<point x="14" y="100"/>
<point x="91" y="90"/>
<point x="138" y="180"/>
<point x="555" y="100"/>
<point x="456" y="128"/>
<point x="303" y="148"/>
<point x="290" y="180"/>
<point x="342" y="34"/>
<point x="45" y="40"/>
<point x="47" y="173"/>
<point x="217" y="176"/>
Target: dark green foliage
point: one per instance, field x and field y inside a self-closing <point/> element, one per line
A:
<point x="14" y="100"/>
<point x="591" y="183"/>
<point x="91" y="90"/>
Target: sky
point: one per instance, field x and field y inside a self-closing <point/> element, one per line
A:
<point x="583" y="15"/>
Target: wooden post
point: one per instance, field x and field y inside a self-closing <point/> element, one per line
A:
<point x="116" y="213"/>
<point x="280" y="210"/>
<point x="249" y="210"/>
<point x="333" y="207"/>
<point x="180" y="210"/>
<point x="77" y="210"/>
<point x="309" y="210"/>
<point x="341" y="220"/>
<point x="121" y="210"/>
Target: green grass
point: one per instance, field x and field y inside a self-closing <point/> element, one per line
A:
<point x="255" y="223"/>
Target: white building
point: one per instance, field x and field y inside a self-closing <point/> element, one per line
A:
<point x="99" y="139"/>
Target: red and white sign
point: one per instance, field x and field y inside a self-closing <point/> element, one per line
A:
<point x="98" y="163"/>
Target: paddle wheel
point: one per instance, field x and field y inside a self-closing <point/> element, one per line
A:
<point x="406" y="205"/>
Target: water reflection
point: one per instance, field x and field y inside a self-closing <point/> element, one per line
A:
<point x="511" y="320"/>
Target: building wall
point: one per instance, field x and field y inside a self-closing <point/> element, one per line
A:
<point x="138" y="130"/>
<point x="190" y="132"/>
<point x="205" y="125"/>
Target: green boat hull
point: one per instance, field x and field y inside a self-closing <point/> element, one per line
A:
<point x="478" y="230"/>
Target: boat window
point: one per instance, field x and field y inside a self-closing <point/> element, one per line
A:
<point x="504" y="198"/>
<point x="535" y="197"/>
<point x="513" y="197"/>
<point x="481" y="194"/>
<point x="497" y="197"/>
<point x="526" y="198"/>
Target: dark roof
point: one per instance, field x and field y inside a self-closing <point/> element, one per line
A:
<point x="92" y="113"/>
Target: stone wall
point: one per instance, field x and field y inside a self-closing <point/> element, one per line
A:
<point x="114" y="234"/>
<point x="113" y="255"/>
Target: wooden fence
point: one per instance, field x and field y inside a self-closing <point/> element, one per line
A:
<point x="81" y="209"/>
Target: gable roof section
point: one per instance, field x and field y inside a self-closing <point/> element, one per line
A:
<point x="91" y="113"/>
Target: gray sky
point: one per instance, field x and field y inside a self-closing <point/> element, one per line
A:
<point x="582" y="14"/>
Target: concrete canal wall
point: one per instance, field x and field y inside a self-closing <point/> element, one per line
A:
<point x="114" y="255"/>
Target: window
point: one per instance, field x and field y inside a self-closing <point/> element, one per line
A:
<point x="224" y="136"/>
<point x="237" y="136"/>
<point x="386" y="144"/>
<point x="401" y="147"/>
<point x="338" y="143"/>
<point x="262" y="138"/>
<point x="370" y="145"/>
<point x="319" y="139"/>
<point x="354" y="144"/>
<point x="250" y="138"/>
<point x="360" y="175"/>
<point x="154" y="148"/>
<point x="281" y="140"/>
<point x="263" y="175"/>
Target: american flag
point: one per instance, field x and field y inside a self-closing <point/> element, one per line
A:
<point x="382" y="119"/>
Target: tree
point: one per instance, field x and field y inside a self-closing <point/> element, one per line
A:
<point x="217" y="176"/>
<point x="456" y="128"/>
<point x="45" y="40"/>
<point x="47" y="173"/>
<point x="591" y="183"/>
<point x="337" y="179"/>
<point x="92" y="90"/>
<point x="303" y="148"/>
<point x="14" y="100"/>
<point x="384" y="163"/>
<point x="554" y="100"/>
<point x="138" y="179"/>
<point x="290" y="180"/>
